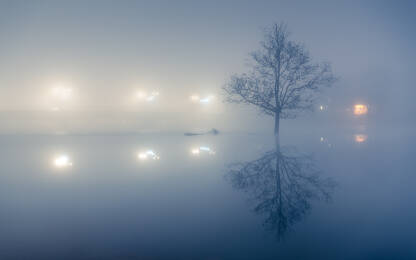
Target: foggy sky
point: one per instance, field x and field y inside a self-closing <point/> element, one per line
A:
<point x="106" y="49"/>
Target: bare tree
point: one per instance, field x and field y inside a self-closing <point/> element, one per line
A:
<point x="281" y="186"/>
<point x="282" y="80"/>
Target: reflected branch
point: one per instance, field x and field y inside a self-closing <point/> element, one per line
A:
<point x="281" y="185"/>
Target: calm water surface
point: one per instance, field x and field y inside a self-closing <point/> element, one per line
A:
<point x="195" y="201"/>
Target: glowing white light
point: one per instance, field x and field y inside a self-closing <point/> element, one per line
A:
<point x="148" y="155"/>
<point x="62" y="93"/>
<point x="360" y="109"/>
<point x="205" y="100"/>
<point x="62" y="161"/>
<point x="202" y="149"/>
<point x="325" y="141"/>
<point x="147" y="97"/>
<point x="141" y="95"/>
<point x="360" y="138"/>
<point x="194" y="98"/>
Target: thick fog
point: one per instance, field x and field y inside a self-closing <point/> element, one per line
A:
<point x="116" y="142"/>
<point x="106" y="52"/>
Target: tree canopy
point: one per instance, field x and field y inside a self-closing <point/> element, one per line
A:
<point x="282" y="80"/>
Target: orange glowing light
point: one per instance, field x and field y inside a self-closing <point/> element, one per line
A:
<point x="360" y="138"/>
<point x="360" y="109"/>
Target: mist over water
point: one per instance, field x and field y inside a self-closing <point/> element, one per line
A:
<point x="110" y="204"/>
<point x="116" y="142"/>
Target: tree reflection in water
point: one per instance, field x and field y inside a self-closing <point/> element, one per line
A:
<point x="281" y="185"/>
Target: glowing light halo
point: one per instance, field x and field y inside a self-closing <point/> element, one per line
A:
<point x="360" y="138"/>
<point x="148" y="155"/>
<point x="202" y="149"/>
<point x="62" y="161"/>
<point x="360" y="109"/>
<point x="59" y="96"/>
<point x="195" y="151"/>
<point x="194" y="98"/>
<point x="202" y="100"/>
<point x="62" y="93"/>
<point x="143" y="96"/>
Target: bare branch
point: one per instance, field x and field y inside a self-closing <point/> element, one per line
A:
<point x="281" y="185"/>
<point x="282" y="78"/>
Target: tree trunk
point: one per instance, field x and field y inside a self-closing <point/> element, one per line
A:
<point x="280" y="224"/>
<point x="276" y="129"/>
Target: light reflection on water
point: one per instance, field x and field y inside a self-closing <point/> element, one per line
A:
<point x="64" y="161"/>
<point x="325" y="142"/>
<point x="148" y="155"/>
<point x="360" y="138"/>
<point x="105" y="196"/>
<point x="201" y="150"/>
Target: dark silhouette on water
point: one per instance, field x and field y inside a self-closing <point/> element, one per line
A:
<point x="281" y="186"/>
<point x="282" y="79"/>
<point x="213" y="131"/>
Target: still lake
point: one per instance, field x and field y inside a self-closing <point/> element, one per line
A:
<point x="96" y="197"/>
